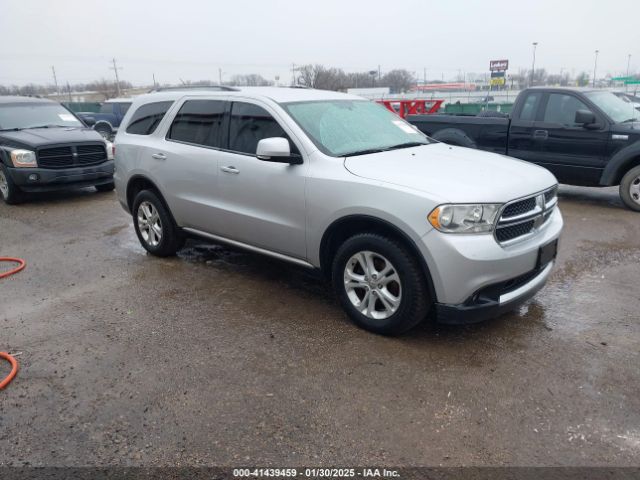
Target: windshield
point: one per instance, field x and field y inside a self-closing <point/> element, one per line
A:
<point x="351" y="127"/>
<point x="617" y="109"/>
<point x="29" y="115"/>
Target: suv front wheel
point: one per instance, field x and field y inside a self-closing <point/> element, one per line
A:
<point x="380" y="284"/>
<point x="154" y="225"/>
<point x="9" y="191"/>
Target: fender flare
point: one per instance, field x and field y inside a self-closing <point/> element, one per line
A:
<point x="104" y="122"/>
<point x="454" y="136"/>
<point x="619" y="164"/>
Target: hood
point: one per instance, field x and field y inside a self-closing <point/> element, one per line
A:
<point x="631" y="127"/>
<point x="38" y="137"/>
<point x="457" y="174"/>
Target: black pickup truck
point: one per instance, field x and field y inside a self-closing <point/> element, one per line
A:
<point x="584" y="137"/>
<point x="43" y="146"/>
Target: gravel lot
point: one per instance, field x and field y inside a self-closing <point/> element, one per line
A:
<point x="219" y="357"/>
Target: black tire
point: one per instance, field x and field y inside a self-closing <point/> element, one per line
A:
<point x="630" y="189"/>
<point x="171" y="239"/>
<point x="453" y="136"/>
<point x="414" y="301"/>
<point x="10" y="192"/>
<point x="106" y="187"/>
<point x="104" y="130"/>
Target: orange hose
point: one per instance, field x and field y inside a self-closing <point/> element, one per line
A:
<point x="14" y="364"/>
<point x="14" y="369"/>
<point x="21" y="264"/>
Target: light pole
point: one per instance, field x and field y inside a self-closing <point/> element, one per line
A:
<point x="628" y="65"/>
<point x="533" y="64"/>
<point x="595" y="66"/>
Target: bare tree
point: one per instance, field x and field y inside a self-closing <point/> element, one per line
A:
<point x="398" y="81"/>
<point x="251" y="80"/>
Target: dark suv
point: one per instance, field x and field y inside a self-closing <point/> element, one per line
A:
<point x="43" y="147"/>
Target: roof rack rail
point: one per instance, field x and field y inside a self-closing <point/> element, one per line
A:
<point x="222" y="88"/>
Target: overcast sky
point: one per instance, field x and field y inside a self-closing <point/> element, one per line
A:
<point x="192" y="39"/>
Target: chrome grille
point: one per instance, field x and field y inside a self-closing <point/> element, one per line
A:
<point x="525" y="216"/>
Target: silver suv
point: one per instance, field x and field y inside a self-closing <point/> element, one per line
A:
<point x="401" y="224"/>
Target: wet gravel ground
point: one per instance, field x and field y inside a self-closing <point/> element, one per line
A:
<point x="219" y="357"/>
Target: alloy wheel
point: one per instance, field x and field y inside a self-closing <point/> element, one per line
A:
<point x="373" y="285"/>
<point x="634" y="189"/>
<point x="149" y="224"/>
<point x="4" y="185"/>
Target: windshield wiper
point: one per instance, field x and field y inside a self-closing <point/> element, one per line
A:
<point x="385" y="149"/>
<point x="406" y="145"/>
<point x="363" y="152"/>
<point x="628" y="120"/>
<point x="48" y="126"/>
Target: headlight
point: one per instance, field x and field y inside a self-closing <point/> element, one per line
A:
<point x="452" y="218"/>
<point x="23" y="158"/>
<point x="111" y="149"/>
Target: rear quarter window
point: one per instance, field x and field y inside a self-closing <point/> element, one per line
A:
<point x="146" y="119"/>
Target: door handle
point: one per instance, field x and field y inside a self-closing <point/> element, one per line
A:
<point x="159" y="156"/>
<point x="230" y="169"/>
<point x="541" y="134"/>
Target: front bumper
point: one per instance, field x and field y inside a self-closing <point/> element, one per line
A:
<point x="495" y="300"/>
<point x="57" y="179"/>
<point x="464" y="266"/>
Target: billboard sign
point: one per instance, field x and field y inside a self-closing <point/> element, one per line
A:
<point x="498" y="65"/>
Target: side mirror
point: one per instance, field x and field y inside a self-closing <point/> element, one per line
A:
<point x="276" y="149"/>
<point x="585" y="118"/>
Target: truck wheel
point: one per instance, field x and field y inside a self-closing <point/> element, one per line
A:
<point x="106" y="187"/>
<point x="154" y="225"/>
<point x="104" y="130"/>
<point x="630" y="189"/>
<point x="380" y="284"/>
<point x="9" y="191"/>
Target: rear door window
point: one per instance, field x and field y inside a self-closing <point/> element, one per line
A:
<point x="145" y="120"/>
<point x="249" y="124"/>
<point x="530" y="106"/>
<point x="199" y="122"/>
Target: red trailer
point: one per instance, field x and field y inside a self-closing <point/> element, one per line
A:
<point x="412" y="107"/>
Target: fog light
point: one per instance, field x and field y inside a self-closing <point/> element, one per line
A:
<point x="33" y="177"/>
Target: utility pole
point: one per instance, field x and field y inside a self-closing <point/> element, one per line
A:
<point x="154" y="80"/>
<point x="55" y="79"/>
<point x="115" y="69"/>
<point x="219" y="76"/>
<point x="378" y="73"/>
<point x="595" y="66"/>
<point x="293" y="74"/>
<point x="425" y="76"/>
<point x="69" y="91"/>
<point x="628" y="65"/>
<point x="533" y="65"/>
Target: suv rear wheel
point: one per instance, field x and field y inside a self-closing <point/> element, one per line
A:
<point x="154" y="225"/>
<point x="9" y="191"/>
<point x="630" y="189"/>
<point x="380" y="284"/>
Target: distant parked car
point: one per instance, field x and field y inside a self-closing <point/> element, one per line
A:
<point x="627" y="97"/>
<point x="44" y="146"/>
<point x="107" y="120"/>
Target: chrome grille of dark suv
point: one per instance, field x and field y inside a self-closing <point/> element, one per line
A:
<point x="72" y="156"/>
<point x="525" y="216"/>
